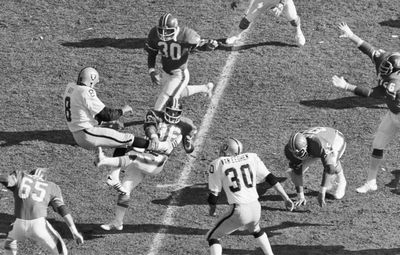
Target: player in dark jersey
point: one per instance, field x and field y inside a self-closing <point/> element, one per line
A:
<point x="317" y="143"/>
<point x="389" y="91"/>
<point x="387" y="66"/>
<point x="168" y="126"/>
<point x="32" y="196"/>
<point x="174" y="43"/>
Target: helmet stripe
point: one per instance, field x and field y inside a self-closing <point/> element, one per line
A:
<point x="165" y="19"/>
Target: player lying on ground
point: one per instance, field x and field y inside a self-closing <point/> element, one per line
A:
<point x="237" y="173"/>
<point x="387" y="66"/>
<point x="33" y="194"/>
<point x="308" y="146"/>
<point x="168" y="126"/>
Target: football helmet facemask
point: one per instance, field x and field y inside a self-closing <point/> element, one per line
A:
<point x="390" y="64"/>
<point x="298" y="145"/>
<point x="88" y="76"/>
<point x="167" y="27"/>
<point x="173" y="111"/>
<point x="230" y="147"/>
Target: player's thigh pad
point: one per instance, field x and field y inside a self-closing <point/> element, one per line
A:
<point x="387" y="130"/>
<point x="132" y="178"/>
<point x="104" y="137"/>
<point x="44" y="233"/>
<point x="19" y="230"/>
<point x="175" y="83"/>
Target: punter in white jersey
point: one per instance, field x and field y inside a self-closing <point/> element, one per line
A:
<point x="84" y="111"/>
<point x="237" y="173"/>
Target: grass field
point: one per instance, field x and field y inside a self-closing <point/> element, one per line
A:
<point x="273" y="89"/>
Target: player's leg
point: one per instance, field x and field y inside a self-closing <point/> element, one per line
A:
<point x="290" y="13"/>
<point x="18" y="231"/>
<point x="105" y="137"/>
<point x="226" y="224"/>
<point x="339" y="146"/>
<point x="113" y="176"/>
<point x="341" y="183"/>
<point x="385" y="133"/>
<point x="133" y="177"/>
<point x="44" y="233"/>
<point x="173" y="85"/>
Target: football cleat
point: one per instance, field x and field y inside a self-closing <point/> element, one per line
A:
<point x="210" y="87"/>
<point x="231" y="40"/>
<point x="116" y="184"/>
<point x="300" y="39"/>
<point x="112" y="225"/>
<point x="188" y="144"/>
<point x="368" y="186"/>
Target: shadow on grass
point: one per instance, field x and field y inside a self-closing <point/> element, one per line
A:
<point x="226" y="47"/>
<point x="125" y="43"/>
<point x="391" y="23"/>
<point x="51" y="136"/>
<point x="315" y="250"/>
<point x="346" y="103"/>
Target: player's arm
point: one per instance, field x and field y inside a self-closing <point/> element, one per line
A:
<point x="152" y="51"/>
<point x="273" y="181"/>
<point x="108" y="114"/>
<point x="214" y="186"/>
<point x="341" y="83"/>
<point x="10" y="180"/>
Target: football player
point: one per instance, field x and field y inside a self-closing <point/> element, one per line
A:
<point x="387" y="64"/>
<point x="237" y="173"/>
<point x="308" y="146"/>
<point x="84" y="111"/>
<point x="388" y="90"/>
<point x="168" y="126"/>
<point x="33" y="194"/>
<point x="278" y="7"/>
<point x="174" y="44"/>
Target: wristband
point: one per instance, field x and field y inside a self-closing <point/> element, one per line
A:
<point x="152" y="70"/>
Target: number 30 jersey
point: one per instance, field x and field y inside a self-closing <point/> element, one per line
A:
<point x="174" y="53"/>
<point x="33" y="195"/>
<point x="237" y="175"/>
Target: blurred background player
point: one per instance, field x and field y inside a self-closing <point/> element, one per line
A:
<point x="236" y="173"/>
<point x="306" y="147"/>
<point x="84" y="111"/>
<point x="278" y="7"/>
<point x="168" y="126"/>
<point x="174" y="43"/>
<point x="387" y="65"/>
<point x="32" y="196"/>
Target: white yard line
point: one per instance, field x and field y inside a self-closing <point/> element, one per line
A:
<point x="203" y="130"/>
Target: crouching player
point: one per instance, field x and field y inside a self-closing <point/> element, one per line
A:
<point x="32" y="195"/>
<point x="168" y="126"/>
<point x="306" y="147"/>
<point x="237" y="173"/>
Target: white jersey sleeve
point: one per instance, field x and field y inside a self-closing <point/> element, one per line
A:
<point x="81" y="106"/>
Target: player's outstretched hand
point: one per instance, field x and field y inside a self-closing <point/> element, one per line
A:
<point x="211" y="210"/>
<point x="289" y="205"/>
<point x="155" y="78"/>
<point x="345" y="29"/>
<point x="339" y="82"/>
<point x="78" y="237"/>
<point x="301" y="201"/>
<point x="321" y="200"/>
<point x="127" y="110"/>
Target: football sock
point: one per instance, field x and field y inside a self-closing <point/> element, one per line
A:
<point x="194" y="89"/>
<point x="264" y="244"/>
<point x="216" y="249"/>
<point x="373" y="170"/>
<point x="120" y="213"/>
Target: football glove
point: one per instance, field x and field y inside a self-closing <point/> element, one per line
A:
<point x="188" y="144"/>
<point x="345" y="29"/>
<point x="155" y="78"/>
<point x="277" y="10"/>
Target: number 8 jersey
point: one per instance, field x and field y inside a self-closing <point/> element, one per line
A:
<point x="33" y="195"/>
<point x="238" y="176"/>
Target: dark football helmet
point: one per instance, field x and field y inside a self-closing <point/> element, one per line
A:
<point x="298" y="145"/>
<point x="173" y="111"/>
<point x="40" y="173"/>
<point x="390" y="64"/>
<point x="230" y="147"/>
<point x="167" y="27"/>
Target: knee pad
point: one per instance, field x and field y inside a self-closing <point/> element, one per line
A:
<point x="295" y="22"/>
<point x="123" y="201"/>
<point x="377" y="153"/>
<point x="10" y="245"/>
<point x="244" y="23"/>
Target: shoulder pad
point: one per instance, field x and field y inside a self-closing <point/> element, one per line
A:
<point x="190" y="36"/>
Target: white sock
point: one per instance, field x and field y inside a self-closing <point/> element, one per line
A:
<point x="120" y="213"/>
<point x="373" y="169"/>
<point x="264" y="244"/>
<point x="216" y="249"/>
<point x="194" y="89"/>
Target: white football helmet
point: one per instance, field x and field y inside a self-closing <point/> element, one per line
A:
<point x="88" y="76"/>
<point x="298" y="145"/>
<point x="230" y="147"/>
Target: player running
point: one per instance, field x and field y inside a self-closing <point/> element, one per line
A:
<point x="174" y="43"/>
<point x="387" y="65"/>
<point x="168" y="126"/>
<point x="308" y="146"/>
<point x="32" y="196"/>
<point x="278" y="7"/>
<point x="236" y="173"/>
